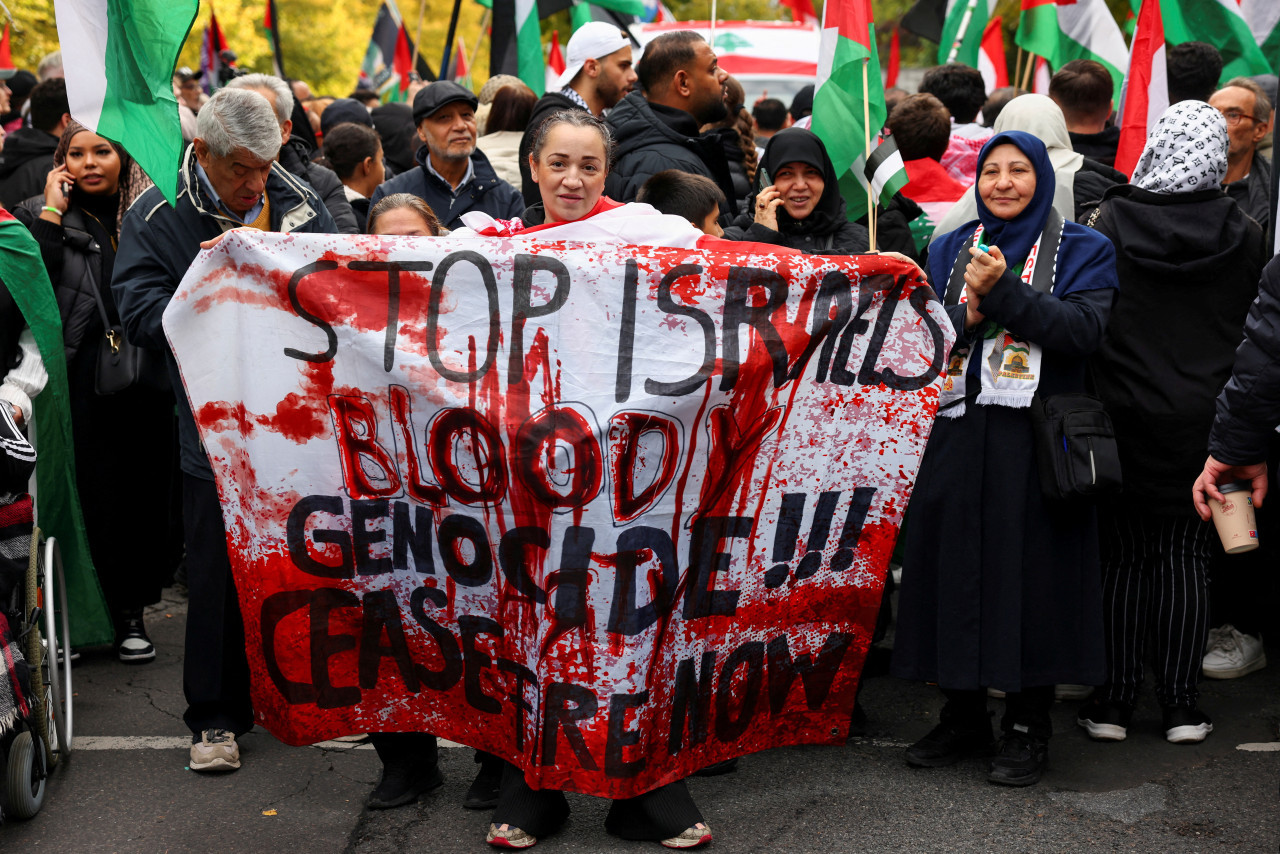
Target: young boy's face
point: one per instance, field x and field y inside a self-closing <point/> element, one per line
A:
<point x="710" y="225"/>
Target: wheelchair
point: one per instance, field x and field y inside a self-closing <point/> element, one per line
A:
<point x="37" y="742"/>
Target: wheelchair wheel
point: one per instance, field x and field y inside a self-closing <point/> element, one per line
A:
<point x="46" y="592"/>
<point x="25" y="776"/>
<point x="57" y="625"/>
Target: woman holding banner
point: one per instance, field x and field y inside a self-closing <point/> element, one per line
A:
<point x="569" y="161"/>
<point x="1001" y="587"/>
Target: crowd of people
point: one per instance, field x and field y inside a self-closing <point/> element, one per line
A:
<point x="1060" y="274"/>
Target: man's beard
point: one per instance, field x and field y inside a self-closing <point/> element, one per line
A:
<point x="711" y="111"/>
<point x="447" y="154"/>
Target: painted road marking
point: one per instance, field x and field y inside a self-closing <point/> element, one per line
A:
<point x="1260" y="747"/>
<point x="182" y="742"/>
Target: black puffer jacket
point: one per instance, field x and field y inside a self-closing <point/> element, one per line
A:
<point x="649" y="138"/>
<point x="826" y="230"/>
<point x="295" y="157"/>
<point x="1248" y="409"/>
<point x="79" y="256"/>
<point x="24" y="164"/>
<point x="1188" y="266"/>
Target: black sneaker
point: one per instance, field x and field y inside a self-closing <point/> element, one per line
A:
<point x="483" y="792"/>
<point x="1186" y="725"/>
<point x="402" y="783"/>
<point x="947" y="744"/>
<point x="1105" y="720"/>
<point x="134" y="647"/>
<point x="1019" y="759"/>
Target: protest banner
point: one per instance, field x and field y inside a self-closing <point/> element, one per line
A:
<point x="612" y="513"/>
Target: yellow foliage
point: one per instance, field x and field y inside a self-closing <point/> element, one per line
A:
<point x="323" y="42"/>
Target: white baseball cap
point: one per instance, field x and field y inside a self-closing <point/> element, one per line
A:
<point x="593" y="40"/>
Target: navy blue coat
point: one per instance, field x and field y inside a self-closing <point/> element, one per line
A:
<point x="158" y="242"/>
<point x="485" y="191"/>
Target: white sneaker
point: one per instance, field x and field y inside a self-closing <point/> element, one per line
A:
<point x="215" y="751"/>
<point x="1233" y="654"/>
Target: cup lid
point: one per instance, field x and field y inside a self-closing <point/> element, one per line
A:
<point x="1236" y="486"/>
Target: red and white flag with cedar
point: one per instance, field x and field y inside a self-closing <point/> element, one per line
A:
<point x="991" y="58"/>
<point x="1146" y="88"/>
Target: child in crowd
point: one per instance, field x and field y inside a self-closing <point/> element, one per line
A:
<point x="693" y="197"/>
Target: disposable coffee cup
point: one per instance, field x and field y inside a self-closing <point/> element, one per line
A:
<point x="1233" y="517"/>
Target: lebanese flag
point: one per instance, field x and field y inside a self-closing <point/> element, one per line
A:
<point x="1146" y="89"/>
<point x="555" y="62"/>
<point x="802" y="11"/>
<point x="991" y="58"/>
<point x="895" y="61"/>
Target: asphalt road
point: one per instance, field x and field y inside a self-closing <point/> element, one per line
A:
<point x="126" y="787"/>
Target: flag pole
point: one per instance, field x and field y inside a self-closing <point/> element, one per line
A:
<point x="1026" y="72"/>
<point x="866" y="125"/>
<point x="417" y="37"/>
<point x="712" y="40"/>
<point x="962" y="30"/>
<point x="1017" y="67"/>
<point x="448" y="39"/>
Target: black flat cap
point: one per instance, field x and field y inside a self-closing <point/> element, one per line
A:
<point x="435" y="96"/>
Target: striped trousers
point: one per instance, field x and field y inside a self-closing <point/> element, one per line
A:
<point x="1155" y="585"/>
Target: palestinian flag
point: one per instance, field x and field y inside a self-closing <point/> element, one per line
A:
<point x="515" y="45"/>
<point x="802" y="11"/>
<point x="1263" y="17"/>
<point x="1146" y="89"/>
<point x="58" y="503"/>
<point x="270" y="26"/>
<point x="895" y="60"/>
<point x="555" y="61"/>
<point x="886" y="171"/>
<point x="991" y="59"/>
<point x="848" y="63"/>
<point x="1221" y="24"/>
<point x="956" y="25"/>
<point x="211" y="47"/>
<point x="1074" y="29"/>
<point x="6" y="58"/>
<point x="389" y="57"/>
<point x="120" y="84"/>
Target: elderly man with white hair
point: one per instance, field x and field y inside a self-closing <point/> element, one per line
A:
<point x="295" y="152"/>
<point x="229" y="179"/>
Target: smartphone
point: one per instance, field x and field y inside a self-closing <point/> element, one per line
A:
<point x="66" y="190"/>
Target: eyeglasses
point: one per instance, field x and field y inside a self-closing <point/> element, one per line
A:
<point x="1233" y="117"/>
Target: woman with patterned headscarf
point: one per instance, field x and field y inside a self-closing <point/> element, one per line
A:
<point x="1000" y="587"/>
<point x="1189" y="261"/>
<point x="124" y="442"/>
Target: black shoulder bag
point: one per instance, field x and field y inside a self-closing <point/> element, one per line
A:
<point x="1076" y="452"/>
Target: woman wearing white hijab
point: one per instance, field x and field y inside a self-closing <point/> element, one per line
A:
<point x="1079" y="181"/>
<point x="1188" y="261"/>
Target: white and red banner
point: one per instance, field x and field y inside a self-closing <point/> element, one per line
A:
<point x="612" y="513"/>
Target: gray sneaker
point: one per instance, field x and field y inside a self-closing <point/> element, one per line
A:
<point x="215" y="751"/>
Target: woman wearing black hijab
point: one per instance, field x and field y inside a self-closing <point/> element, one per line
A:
<point x="797" y="202"/>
